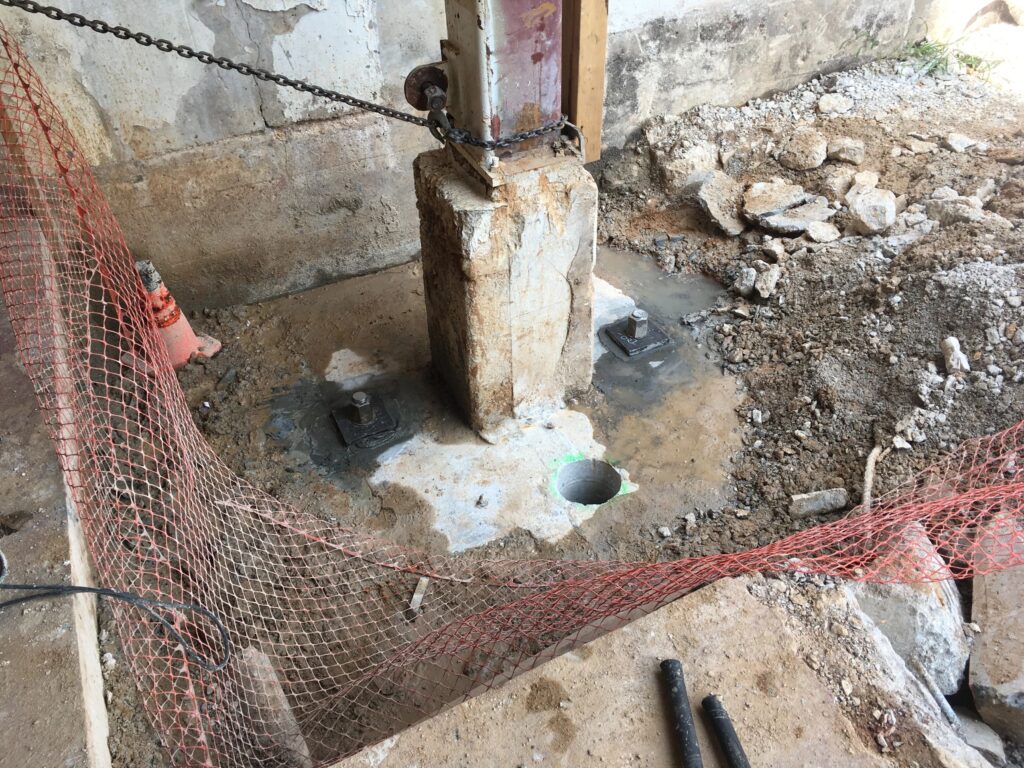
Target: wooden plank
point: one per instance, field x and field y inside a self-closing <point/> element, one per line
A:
<point x="585" y="34"/>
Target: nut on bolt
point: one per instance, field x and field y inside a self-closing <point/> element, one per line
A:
<point x="363" y="407"/>
<point x="636" y="324"/>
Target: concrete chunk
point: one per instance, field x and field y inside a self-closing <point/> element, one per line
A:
<point x="715" y="193"/>
<point x="818" y="502"/>
<point x="997" y="666"/>
<point x="806" y="150"/>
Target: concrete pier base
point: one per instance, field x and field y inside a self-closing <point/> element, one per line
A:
<point x="508" y="283"/>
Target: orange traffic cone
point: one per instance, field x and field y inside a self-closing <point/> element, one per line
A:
<point x="182" y="343"/>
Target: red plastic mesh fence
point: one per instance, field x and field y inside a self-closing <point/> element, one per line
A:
<point x="327" y="656"/>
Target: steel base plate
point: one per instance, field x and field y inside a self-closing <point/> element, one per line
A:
<point x="617" y="341"/>
<point x="380" y="431"/>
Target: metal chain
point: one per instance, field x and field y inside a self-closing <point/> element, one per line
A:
<point x="438" y="129"/>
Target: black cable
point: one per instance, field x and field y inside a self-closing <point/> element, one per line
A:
<point x="149" y="605"/>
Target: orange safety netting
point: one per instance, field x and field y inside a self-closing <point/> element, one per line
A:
<point x="327" y="656"/>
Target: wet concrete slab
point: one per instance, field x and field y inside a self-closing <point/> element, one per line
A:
<point x="665" y="421"/>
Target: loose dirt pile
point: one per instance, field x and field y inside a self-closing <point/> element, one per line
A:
<point x="835" y="332"/>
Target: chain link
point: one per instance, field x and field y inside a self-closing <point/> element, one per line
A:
<point x="454" y="135"/>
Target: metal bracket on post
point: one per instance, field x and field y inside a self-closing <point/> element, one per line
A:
<point x="501" y="74"/>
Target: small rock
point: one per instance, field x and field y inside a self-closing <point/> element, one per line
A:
<point x="107" y="661"/>
<point x="744" y="284"/>
<point x="834" y="104"/>
<point x="818" y="502"/>
<point x="956" y="360"/>
<point x="665" y="532"/>
<point x="945" y="193"/>
<point x="1014" y="302"/>
<point x="873" y="210"/>
<point x="822" y="232"/>
<point x="919" y="146"/>
<point x="981" y="737"/>
<point x="957" y="142"/>
<point x="769" y="198"/>
<point x="846" y="150"/>
<point x="676" y="170"/>
<point x="795" y="221"/>
<point x="965" y="210"/>
<point x="715" y="193"/>
<point x="992" y="335"/>
<point x="806" y="149"/>
<point x="767" y="278"/>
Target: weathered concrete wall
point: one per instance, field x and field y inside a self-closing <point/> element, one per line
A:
<point x="239" y="190"/>
<point x="722" y="52"/>
<point x="236" y="189"/>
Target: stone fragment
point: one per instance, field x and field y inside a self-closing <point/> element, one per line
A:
<point x="981" y="737"/>
<point x="873" y="210"/>
<point x="923" y="620"/>
<point x="846" y="150"/>
<point x="715" y="193"/>
<point x="956" y="360"/>
<point x="744" y="284"/>
<point x="834" y="104"/>
<point x="838" y="183"/>
<point x="965" y="210"/>
<point x="957" y="142"/>
<point x="795" y="221"/>
<point x="767" y="278"/>
<point x="866" y="179"/>
<point x="945" y="193"/>
<point x="919" y="146"/>
<point x="676" y="166"/>
<point x="818" y="502"/>
<point x="768" y="198"/>
<point x="822" y="232"/>
<point x="997" y="666"/>
<point x="805" y="150"/>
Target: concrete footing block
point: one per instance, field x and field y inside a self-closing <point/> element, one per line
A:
<point x="508" y="283"/>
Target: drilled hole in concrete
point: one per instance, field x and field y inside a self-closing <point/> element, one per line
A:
<point x="589" y="481"/>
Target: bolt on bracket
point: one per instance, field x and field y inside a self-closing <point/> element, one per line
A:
<point x="367" y="422"/>
<point x="633" y="336"/>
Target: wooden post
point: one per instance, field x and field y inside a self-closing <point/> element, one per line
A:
<point x="585" y="26"/>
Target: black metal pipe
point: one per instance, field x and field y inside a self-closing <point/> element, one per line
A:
<point x="682" y="720"/>
<point x="722" y="726"/>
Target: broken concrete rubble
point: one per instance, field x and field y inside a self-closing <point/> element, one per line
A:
<point x="715" y="193"/>
<point x="770" y="198"/>
<point x="767" y="278"/>
<point x="846" y="150"/>
<point x="807" y="149"/>
<point x="834" y="104"/>
<point x="823" y="232"/>
<point x="873" y="210"/>
<point x="819" y="502"/>
<point x="680" y="163"/>
<point x="956" y="360"/>
<point x="997" y="666"/>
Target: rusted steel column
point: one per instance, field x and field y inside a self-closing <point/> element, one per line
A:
<point x="504" y="66"/>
